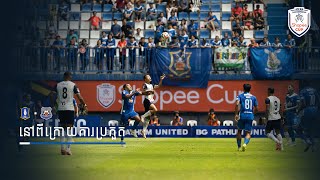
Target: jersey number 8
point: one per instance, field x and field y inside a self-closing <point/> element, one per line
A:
<point x="64" y="92"/>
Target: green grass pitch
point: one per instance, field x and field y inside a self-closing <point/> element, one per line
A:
<point x="177" y="158"/>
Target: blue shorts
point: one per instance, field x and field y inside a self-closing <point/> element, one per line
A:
<point x="292" y="119"/>
<point x="245" y="124"/>
<point x="126" y="116"/>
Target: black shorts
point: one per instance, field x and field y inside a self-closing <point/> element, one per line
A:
<point x="146" y="104"/>
<point x="66" y="117"/>
<point x="274" y="124"/>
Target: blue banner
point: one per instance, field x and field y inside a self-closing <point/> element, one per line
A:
<point x="271" y="63"/>
<point x="185" y="68"/>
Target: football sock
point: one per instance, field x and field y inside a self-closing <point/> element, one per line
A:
<point x="291" y="133"/>
<point x="69" y="139"/>
<point x="286" y="135"/>
<point x="239" y="142"/>
<point x="279" y="138"/>
<point x="246" y="140"/>
<point x="145" y="125"/>
<point x="271" y="136"/>
<point x="62" y="140"/>
<point x="147" y="114"/>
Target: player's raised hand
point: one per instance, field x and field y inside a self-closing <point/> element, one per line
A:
<point x="163" y="76"/>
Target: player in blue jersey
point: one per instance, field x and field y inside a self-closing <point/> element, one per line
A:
<point x="127" y="111"/>
<point x="246" y="107"/>
<point x="309" y="109"/>
<point x="291" y="117"/>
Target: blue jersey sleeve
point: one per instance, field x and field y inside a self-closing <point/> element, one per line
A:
<point x="124" y="93"/>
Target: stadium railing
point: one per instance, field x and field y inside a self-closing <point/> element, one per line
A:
<point x="53" y="60"/>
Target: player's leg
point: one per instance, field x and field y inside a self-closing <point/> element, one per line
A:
<point x="146" y="104"/>
<point x="137" y="120"/>
<point x="239" y="132"/>
<point x="69" y="125"/>
<point x="247" y="128"/>
<point x="277" y="128"/>
<point x="62" y="123"/>
<point x="269" y="128"/>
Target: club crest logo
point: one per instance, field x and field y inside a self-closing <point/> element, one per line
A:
<point x="46" y="113"/>
<point x="106" y="94"/>
<point x="299" y="20"/>
<point x="180" y="65"/>
<point x="273" y="63"/>
<point x="25" y="113"/>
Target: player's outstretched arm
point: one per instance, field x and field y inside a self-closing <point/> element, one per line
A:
<point x="160" y="82"/>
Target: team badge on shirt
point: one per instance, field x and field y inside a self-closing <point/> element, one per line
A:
<point x="46" y="113"/>
<point x="299" y="20"/>
<point x="106" y="94"/>
<point x="24" y="113"/>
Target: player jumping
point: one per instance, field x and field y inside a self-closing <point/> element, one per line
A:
<point x="66" y="90"/>
<point x="149" y="107"/>
<point x="291" y="109"/>
<point x="247" y="106"/>
<point x="273" y="116"/>
<point x="310" y="101"/>
<point x="127" y="110"/>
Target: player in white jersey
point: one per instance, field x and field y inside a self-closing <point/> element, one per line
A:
<point x="273" y="107"/>
<point x="65" y="91"/>
<point x="149" y="107"/>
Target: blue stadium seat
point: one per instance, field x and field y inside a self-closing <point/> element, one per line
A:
<point x="97" y="7"/>
<point x="226" y="1"/>
<point x="226" y="31"/>
<point x="130" y="24"/>
<point x="161" y="8"/>
<point x="182" y="15"/>
<point x="107" y="16"/>
<point x="74" y="16"/>
<point x="204" y="33"/>
<point x="259" y="34"/>
<point x="194" y="16"/>
<point x="215" y="7"/>
<point x="117" y="16"/>
<point x="203" y="16"/>
<point x="206" y="1"/>
<point x="278" y="27"/>
<point x="86" y="7"/>
<point x="215" y="1"/>
<point x="205" y="7"/>
<point x="226" y="16"/>
<point x="107" y="7"/>
<point x="276" y="5"/>
<point x="277" y="31"/>
<point x="148" y="33"/>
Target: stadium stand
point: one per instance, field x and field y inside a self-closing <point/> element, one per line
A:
<point x="192" y="123"/>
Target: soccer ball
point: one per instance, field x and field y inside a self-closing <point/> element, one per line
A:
<point x="165" y="35"/>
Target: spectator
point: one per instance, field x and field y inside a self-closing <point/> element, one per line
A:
<point x="183" y="6"/>
<point x="183" y="38"/>
<point x="253" y="43"/>
<point x="143" y="46"/>
<point x="237" y="27"/>
<point x="149" y="50"/>
<point x="110" y="52"/>
<point x="193" y="8"/>
<point x="151" y="13"/>
<point x="163" y="43"/>
<point x="173" y="20"/>
<point x="265" y="42"/>
<point x="205" y="44"/>
<point x="155" y="121"/>
<point x="172" y="32"/>
<point x="95" y="21"/>
<point x="236" y="12"/>
<point x="213" y="23"/>
<point x="236" y="37"/>
<point x="234" y="44"/>
<point x="58" y="52"/>
<point x="183" y="25"/>
<point x="170" y="8"/>
<point x="174" y="43"/>
<point x="245" y="12"/>
<point x="248" y="22"/>
<point x="163" y="19"/>
<point x="116" y="29"/>
<point x="289" y="42"/>
<point x="72" y="52"/>
<point x="128" y="11"/>
<point x="159" y="31"/>
<point x="259" y="22"/>
<point x="193" y="29"/>
<point x="52" y="30"/>
<point x="84" y="54"/>
<point x="177" y="120"/>
<point x="98" y="56"/>
<point x="63" y="11"/>
<point x="212" y="118"/>
<point x="137" y="36"/>
<point x="70" y="36"/>
<point x="216" y="42"/>
<point x="132" y="45"/>
<point x="241" y="42"/>
<point x="257" y="11"/>
<point x="225" y="41"/>
<point x="138" y="11"/>
<point x="122" y="44"/>
<point x="277" y="44"/>
<point x="126" y="28"/>
<point x="193" y="43"/>
<point x="120" y="4"/>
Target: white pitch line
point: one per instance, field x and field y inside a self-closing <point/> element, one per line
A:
<point x="24" y="143"/>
